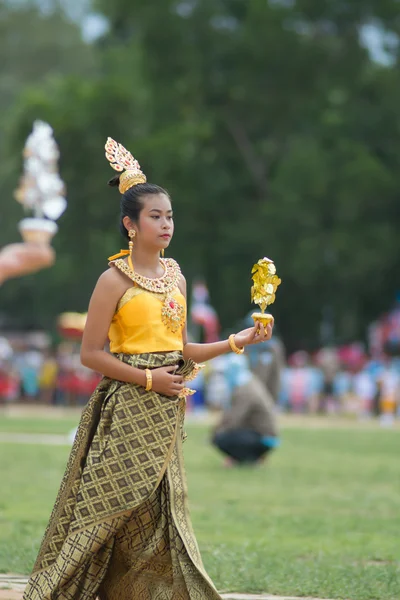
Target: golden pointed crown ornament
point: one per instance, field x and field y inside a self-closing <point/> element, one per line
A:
<point x="265" y="284"/>
<point x="122" y="161"/>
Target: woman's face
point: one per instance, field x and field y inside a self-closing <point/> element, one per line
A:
<point x="156" y="225"/>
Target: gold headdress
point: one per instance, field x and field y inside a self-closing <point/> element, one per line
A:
<point x="122" y="161"/>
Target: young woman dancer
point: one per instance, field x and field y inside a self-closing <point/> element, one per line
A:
<point x="120" y="528"/>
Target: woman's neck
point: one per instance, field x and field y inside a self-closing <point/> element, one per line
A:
<point x="147" y="263"/>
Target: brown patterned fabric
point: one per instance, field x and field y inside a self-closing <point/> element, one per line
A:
<point x="120" y="527"/>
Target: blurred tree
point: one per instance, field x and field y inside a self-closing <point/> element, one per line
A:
<point x="264" y="120"/>
<point x="34" y="48"/>
<point x="275" y="133"/>
<point x="37" y="50"/>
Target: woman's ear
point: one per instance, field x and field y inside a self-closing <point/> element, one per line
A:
<point x="128" y="224"/>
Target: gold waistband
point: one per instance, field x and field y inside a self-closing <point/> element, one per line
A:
<point x="152" y="360"/>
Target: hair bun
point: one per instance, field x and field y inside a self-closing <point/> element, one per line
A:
<point x="114" y="182"/>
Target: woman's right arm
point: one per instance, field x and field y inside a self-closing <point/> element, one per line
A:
<point x="109" y="289"/>
<point x="102" y="306"/>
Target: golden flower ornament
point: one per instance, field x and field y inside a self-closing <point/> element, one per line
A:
<point x="263" y="290"/>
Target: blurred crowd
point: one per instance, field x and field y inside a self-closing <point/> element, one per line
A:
<point x="323" y="383"/>
<point x="336" y="380"/>
<point x="331" y="381"/>
<point x="33" y="371"/>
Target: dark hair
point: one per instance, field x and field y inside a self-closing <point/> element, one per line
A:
<point x="131" y="201"/>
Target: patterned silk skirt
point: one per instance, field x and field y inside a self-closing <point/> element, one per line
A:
<point x="120" y="528"/>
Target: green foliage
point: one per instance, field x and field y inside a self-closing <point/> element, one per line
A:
<point x="270" y="125"/>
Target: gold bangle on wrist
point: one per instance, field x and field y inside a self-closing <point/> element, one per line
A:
<point x="149" y="380"/>
<point x="233" y="346"/>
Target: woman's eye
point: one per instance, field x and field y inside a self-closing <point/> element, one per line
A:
<point x="155" y="217"/>
<point x="170" y="218"/>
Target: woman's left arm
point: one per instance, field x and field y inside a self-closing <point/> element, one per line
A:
<point x="202" y="352"/>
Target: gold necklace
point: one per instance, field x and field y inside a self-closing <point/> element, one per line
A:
<point x="172" y="313"/>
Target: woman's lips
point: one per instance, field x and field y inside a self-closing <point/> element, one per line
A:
<point x="166" y="236"/>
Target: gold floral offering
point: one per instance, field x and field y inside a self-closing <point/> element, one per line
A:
<point x="263" y="290"/>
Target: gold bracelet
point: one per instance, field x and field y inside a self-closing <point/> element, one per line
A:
<point x="149" y="380"/>
<point x="233" y="346"/>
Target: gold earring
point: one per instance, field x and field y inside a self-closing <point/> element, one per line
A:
<point x="132" y="235"/>
<point x="162" y="253"/>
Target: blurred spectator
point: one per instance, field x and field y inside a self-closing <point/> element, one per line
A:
<point x="203" y="317"/>
<point x="48" y="377"/>
<point x="328" y="361"/>
<point x="217" y="392"/>
<point x="9" y="382"/>
<point x="28" y="364"/>
<point x="196" y="402"/>
<point x="302" y="384"/>
<point x="247" y="430"/>
<point x="390" y="394"/>
<point x="267" y="361"/>
<point x="268" y="364"/>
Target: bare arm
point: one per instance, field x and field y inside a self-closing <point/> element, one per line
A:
<point x="109" y="289"/>
<point x="203" y="352"/>
<point x="24" y="258"/>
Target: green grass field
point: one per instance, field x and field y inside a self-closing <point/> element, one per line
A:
<point x="321" y="519"/>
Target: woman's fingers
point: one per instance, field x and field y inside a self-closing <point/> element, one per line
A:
<point x="177" y="386"/>
<point x="175" y="391"/>
<point x="253" y="333"/>
<point x="261" y="331"/>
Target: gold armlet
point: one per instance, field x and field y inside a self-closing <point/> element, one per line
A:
<point x="149" y="380"/>
<point x="233" y="346"/>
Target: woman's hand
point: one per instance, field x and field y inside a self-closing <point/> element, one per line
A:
<point x="165" y="382"/>
<point x="24" y="258"/>
<point x="254" y="335"/>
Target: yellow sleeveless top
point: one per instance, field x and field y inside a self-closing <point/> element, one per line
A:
<point x="151" y="314"/>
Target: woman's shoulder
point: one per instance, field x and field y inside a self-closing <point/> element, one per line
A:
<point x="112" y="279"/>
